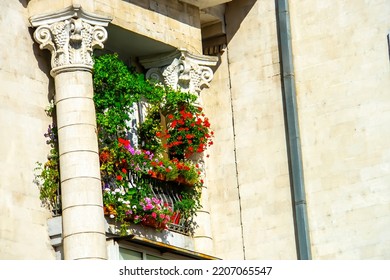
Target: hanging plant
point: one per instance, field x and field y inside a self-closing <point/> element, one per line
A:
<point x="177" y="126"/>
<point x="47" y="175"/>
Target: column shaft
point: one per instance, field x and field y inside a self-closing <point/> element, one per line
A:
<point x="82" y="211"/>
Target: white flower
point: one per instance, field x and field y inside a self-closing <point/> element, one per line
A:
<point x="112" y="216"/>
<point x="117" y="190"/>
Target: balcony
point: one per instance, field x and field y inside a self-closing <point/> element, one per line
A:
<point x="167" y="193"/>
<point x="202" y="4"/>
<point x="167" y="241"/>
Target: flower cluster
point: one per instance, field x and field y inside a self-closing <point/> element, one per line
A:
<point x="187" y="132"/>
<point x="118" y="201"/>
<point x="155" y="213"/>
<point x="126" y="174"/>
<point x="123" y="159"/>
<point x="130" y="204"/>
<point x="51" y="135"/>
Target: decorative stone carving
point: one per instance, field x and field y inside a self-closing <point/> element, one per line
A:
<point x="70" y="41"/>
<point x="181" y="70"/>
<point x="70" y="35"/>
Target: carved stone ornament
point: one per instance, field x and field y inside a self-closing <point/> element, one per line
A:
<point x="181" y="70"/>
<point x="70" y="35"/>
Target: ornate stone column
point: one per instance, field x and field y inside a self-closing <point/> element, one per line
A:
<point x="71" y="35"/>
<point x="189" y="73"/>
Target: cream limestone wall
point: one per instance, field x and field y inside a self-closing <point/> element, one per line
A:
<point x="23" y="98"/>
<point x="221" y="179"/>
<point x="343" y="79"/>
<point x="251" y="213"/>
<point x="171" y="22"/>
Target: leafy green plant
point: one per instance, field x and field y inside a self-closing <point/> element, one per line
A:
<point x="187" y="206"/>
<point x="116" y="89"/>
<point x="47" y="176"/>
<point x="176" y="125"/>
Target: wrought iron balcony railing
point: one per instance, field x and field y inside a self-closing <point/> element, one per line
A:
<point x="169" y="192"/>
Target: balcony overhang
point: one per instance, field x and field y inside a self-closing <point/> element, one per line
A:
<point x="202" y="4"/>
<point x="130" y="44"/>
<point x="164" y="247"/>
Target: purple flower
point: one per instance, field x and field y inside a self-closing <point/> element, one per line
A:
<point x="131" y="150"/>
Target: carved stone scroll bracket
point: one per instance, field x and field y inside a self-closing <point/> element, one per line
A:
<point x="70" y="35"/>
<point x="181" y="70"/>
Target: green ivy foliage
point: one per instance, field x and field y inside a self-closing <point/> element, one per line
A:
<point x="116" y="89"/>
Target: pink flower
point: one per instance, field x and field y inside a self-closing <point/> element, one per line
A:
<point x="148" y="207"/>
<point x="154" y="215"/>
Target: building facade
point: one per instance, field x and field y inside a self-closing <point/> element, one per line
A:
<point x="296" y="93"/>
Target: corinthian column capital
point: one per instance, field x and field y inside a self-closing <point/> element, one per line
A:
<point x="181" y="70"/>
<point x="70" y="35"/>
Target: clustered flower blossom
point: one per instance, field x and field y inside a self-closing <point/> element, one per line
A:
<point x="127" y="200"/>
<point x="146" y="163"/>
<point x="155" y="212"/>
<point x="51" y="134"/>
<point x="148" y="210"/>
<point x="187" y="132"/>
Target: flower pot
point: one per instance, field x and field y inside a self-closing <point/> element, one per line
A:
<point x="152" y="222"/>
<point x="175" y="218"/>
<point x="181" y="180"/>
<point x="161" y="177"/>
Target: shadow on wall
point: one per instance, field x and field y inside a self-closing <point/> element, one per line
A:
<point x="235" y="13"/>
<point x="24" y="3"/>
<point x="169" y="9"/>
<point x="43" y="58"/>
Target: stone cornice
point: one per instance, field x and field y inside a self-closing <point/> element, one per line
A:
<point x="74" y="11"/>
